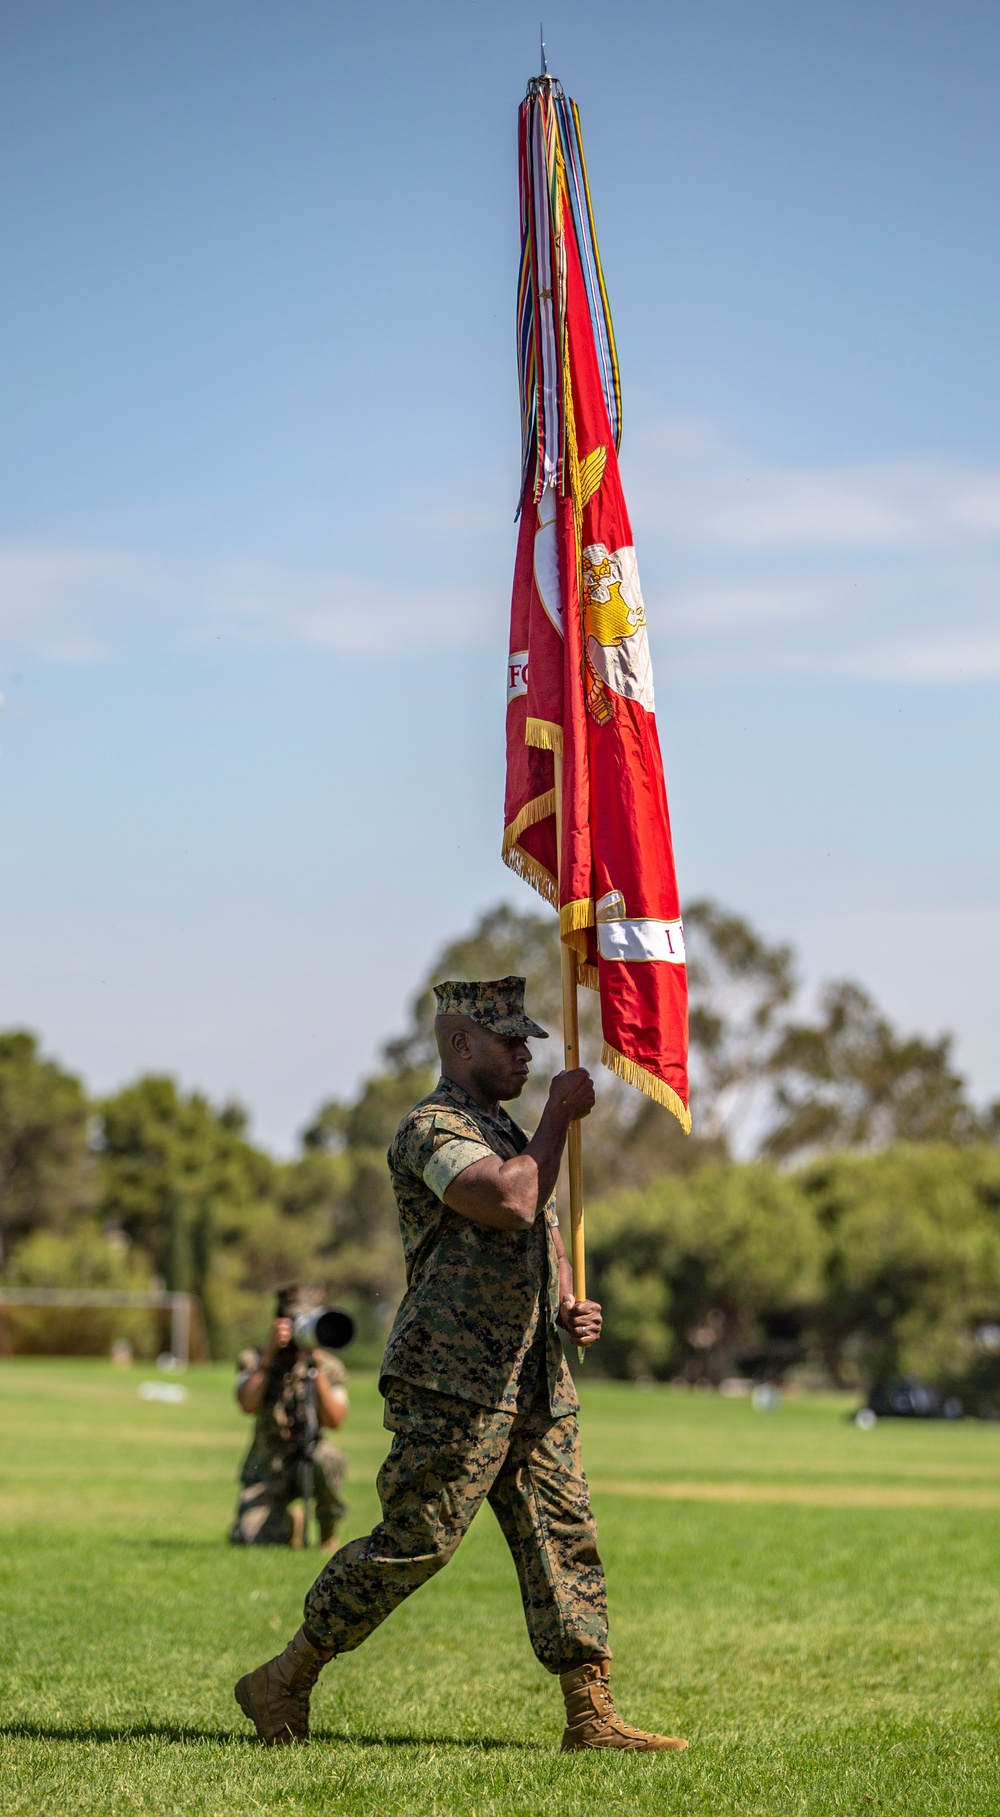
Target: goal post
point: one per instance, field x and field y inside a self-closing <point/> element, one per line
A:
<point x="186" y="1324"/>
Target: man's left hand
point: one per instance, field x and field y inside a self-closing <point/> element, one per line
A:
<point x="581" y="1319"/>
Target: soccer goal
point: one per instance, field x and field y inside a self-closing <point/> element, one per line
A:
<point x="186" y="1324"/>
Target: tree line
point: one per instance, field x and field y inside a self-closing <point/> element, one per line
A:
<point x="764" y="1242"/>
<point x="856" y="1267"/>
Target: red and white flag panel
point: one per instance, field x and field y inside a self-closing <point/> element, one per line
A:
<point x="580" y="680"/>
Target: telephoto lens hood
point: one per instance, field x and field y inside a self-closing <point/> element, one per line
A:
<point x="326" y="1329"/>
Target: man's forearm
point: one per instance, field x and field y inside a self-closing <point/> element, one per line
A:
<point x="507" y="1195"/>
<point x="546" y="1150"/>
<point x="249" y="1392"/>
<point x="530" y="1178"/>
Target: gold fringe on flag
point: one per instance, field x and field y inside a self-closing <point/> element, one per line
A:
<point x="588" y="975"/>
<point x="525" y="866"/>
<point x="544" y="735"/>
<point x="531" y="813"/>
<point x="523" y="863"/>
<point x="574" y="920"/>
<point x="576" y="915"/>
<point x="636" y="1075"/>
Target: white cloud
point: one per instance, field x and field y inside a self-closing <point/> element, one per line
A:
<point x="727" y="608"/>
<point x="873" y="624"/>
<point x="53" y="601"/>
<point x="882" y="571"/>
<point x="72" y="605"/>
<point x="692" y="487"/>
<point x="32" y="575"/>
<point x="886" y="571"/>
<point x="349" y="612"/>
<point x="934" y="659"/>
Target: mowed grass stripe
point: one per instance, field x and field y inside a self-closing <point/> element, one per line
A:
<point x="803" y="1495"/>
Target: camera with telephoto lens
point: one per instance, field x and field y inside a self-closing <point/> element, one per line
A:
<point x="325" y="1329"/>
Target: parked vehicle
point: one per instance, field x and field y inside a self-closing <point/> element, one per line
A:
<point x="907" y="1398"/>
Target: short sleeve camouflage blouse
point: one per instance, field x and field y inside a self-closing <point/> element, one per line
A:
<point x="479" y="1303"/>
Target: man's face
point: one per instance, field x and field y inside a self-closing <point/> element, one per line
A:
<point x="499" y="1063"/>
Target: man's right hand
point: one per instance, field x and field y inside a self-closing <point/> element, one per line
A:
<point x="280" y="1335"/>
<point x="571" y="1094"/>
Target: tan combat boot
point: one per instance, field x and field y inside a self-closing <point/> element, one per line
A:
<point x="276" y="1696"/>
<point x="592" y="1720"/>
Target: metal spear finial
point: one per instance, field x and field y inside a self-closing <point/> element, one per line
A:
<point x="541" y="39"/>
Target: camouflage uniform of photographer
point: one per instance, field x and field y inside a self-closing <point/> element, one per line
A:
<point x="273" y="1384"/>
<point x="478" y="1396"/>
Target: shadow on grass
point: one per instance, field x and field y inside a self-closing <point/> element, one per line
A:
<point x="184" y="1735"/>
<point x="124" y="1731"/>
<point x="480" y="1744"/>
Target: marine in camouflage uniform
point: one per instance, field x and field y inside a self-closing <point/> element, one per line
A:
<point x="478" y="1396"/>
<point x="272" y="1474"/>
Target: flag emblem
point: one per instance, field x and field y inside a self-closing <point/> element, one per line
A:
<point x="614" y="622"/>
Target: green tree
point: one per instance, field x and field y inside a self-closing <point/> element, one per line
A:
<point x="47" y="1174"/>
<point x="912" y="1269"/>
<point x="740" y="987"/>
<point x="180" y="1178"/>
<point x="706" y="1276"/>
<point x="850" y="1081"/>
<point x="363" y="1258"/>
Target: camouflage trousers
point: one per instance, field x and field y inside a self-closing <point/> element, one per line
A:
<point x="448" y="1456"/>
<point x="270" y="1483"/>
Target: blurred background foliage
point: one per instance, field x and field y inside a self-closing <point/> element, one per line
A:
<point x="834" y="1217"/>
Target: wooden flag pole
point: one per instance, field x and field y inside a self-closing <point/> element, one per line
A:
<point x="571" y="1053"/>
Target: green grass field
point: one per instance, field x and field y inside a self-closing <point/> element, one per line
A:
<point x="817" y="1608"/>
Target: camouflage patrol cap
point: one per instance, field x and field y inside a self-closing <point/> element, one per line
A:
<point x="495" y="1003"/>
<point x="295" y="1300"/>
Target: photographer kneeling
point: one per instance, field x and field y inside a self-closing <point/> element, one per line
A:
<point x="293" y="1392"/>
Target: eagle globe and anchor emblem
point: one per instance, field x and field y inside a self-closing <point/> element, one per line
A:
<point x="614" y="623"/>
<point x="614" y="617"/>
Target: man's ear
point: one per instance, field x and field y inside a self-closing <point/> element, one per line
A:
<point x="461" y="1043"/>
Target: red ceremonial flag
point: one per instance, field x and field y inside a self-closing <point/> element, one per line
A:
<point x="580" y="682"/>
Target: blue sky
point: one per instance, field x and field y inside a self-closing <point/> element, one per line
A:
<point x="258" y="466"/>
